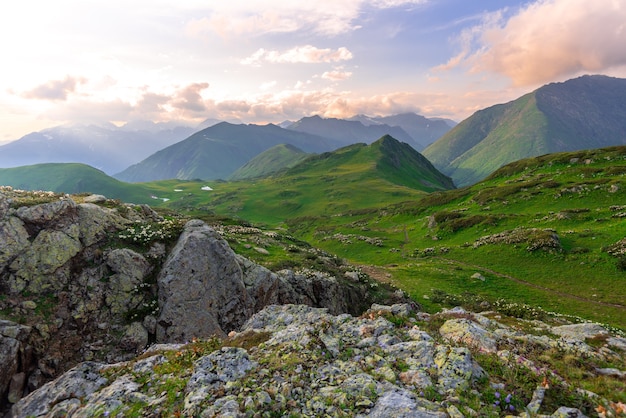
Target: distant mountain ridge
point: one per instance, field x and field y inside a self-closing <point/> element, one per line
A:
<point x="584" y="113"/>
<point x="216" y="152"/>
<point x="424" y="131"/>
<point x="411" y="128"/>
<point x="107" y="148"/>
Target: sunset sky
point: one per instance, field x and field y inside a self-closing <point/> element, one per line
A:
<point x="258" y="61"/>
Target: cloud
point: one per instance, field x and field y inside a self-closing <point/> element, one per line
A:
<point x="337" y="75"/>
<point x="300" y="54"/>
<point x="548" y="40"/>
<point x="268" y="85"/>
<point x="322" y="17"/>
<point x="55" y="90"/>
<point x="189" y="98"/>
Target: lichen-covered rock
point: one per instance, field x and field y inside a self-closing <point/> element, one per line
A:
<point x="78" y="383"/>
<point x="50" y="251"/>
<point x="202" y="282"/>
<point x="126" y="284"/>
<point x="580" y="332"/>
<point x="462" y="330"/>
<point x="57" y="214"/>
<point x="14" y="239"/>
<point x="96" y="222"/>
<point x="402" y="404"/>
<point x="215" y="370"/>
<point x="455" y="367"/>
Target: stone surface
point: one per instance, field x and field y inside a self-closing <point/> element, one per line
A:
<point x="580" y="332"/>
<point x="76" y="384"/>
<point x="469" y="333"/>
<point x="202" y="282"/>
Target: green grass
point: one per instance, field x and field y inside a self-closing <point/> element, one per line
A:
<point x="577" y="200"/>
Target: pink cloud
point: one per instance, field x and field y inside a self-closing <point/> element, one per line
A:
<point x="547" y="40"/>
<point x="55" y="90"/>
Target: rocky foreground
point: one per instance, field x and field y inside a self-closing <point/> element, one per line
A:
<point x="85" y="278"/>
<point x="110" y="309"/>
<point x="295" y="360"/>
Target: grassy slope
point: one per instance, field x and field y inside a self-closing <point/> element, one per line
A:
<point x="352" y="178"/>
<point x="269" y="162"/>
<point x="574" y="199"/>
<point x="72" y="178"/>
<point x="516" y="130"/>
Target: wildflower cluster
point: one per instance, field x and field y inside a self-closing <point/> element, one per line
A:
<point x="146" y="233"/>
<point x="146" y="308"/>
<point x="504" y="404"/>
<point x="29" y="197"/>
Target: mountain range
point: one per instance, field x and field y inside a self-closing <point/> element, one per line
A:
<point x="114" y="149"/>
<point x="106" y="147"/>
<point x="583" y="113"/>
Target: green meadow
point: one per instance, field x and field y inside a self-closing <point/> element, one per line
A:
<point x="546" y="232"/>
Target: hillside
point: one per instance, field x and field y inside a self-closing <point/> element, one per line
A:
<point x="584" y="113"/>
<point x="108" y="148"/>
<point x="269" y="162"/>
<point x="353" y="177"/>
<point x="546" y="232"/>
<point x="216" y="152"/>
<point x="72" y="178"/>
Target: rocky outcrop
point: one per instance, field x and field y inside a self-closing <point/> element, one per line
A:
<point x="202" y="282"/>
<point x="96" y="279"/>
<point x="302" y="361"/>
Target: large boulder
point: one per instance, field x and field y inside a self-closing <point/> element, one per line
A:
<point x="201" y="287"/>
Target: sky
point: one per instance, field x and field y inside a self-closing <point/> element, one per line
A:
<point x="261" y="61"/>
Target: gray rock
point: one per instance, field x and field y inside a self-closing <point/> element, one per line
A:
<point x="135" y="337"/>
<point x="9" y="361"/>
<point x="14" y="239"/>
<point x="79" y="382"/>
<point x="4" y="205"/>
<point x="580" y="332"/>
<point x="565" y="412"/>
<point x="34" y="269"/>
<point x="95" y="198"/>
<point x="464" y="331"/>
<point x="215" y="370"/>
<point x="401" y="404"/>
<point x="125" y="286"/>
<point x="96" y="222"/>
<point x="16" y="387"/>
<point x="456" y="368"/>
<point x="55" y="215"/>
<point x="201" y="282"/>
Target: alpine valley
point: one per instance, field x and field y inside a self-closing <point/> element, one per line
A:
<point x="378" y="266"/>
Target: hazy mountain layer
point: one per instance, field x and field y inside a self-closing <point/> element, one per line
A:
<point x="107" y="148"/>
